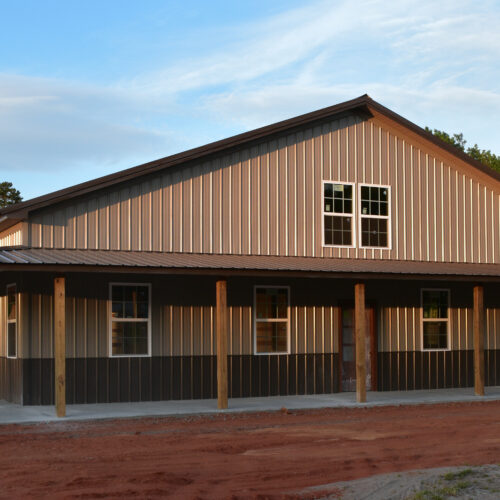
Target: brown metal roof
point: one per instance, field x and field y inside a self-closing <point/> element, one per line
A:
<point x="363" y="105"/>
<point x="39" y="258"/>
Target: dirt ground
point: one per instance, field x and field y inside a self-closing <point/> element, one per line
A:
<point x="265" y="455"/>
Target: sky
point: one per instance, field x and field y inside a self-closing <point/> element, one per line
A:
<point x="90" y="88"/>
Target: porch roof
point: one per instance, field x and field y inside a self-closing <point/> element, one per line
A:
<point x="134" y="261"/>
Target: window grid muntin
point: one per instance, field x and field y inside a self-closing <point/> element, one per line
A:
<point x="435" y="320"/>
<point x="11" y="321"/>
<point x="333" y="214"/>
<point x="128" y="320"/>
<point x="271" y="320"/>
<point x="369" y="216"/>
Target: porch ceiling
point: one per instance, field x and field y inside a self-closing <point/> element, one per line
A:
<point x="118" y="261"/>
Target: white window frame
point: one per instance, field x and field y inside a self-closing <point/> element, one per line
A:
<point x="10" y="321"/>
<point x="270" y="320"/>
<point x="353" y="214"/>
<point x="434" y="320"/>
<point x="388" y="217"/>
<point x="128" y="320"/>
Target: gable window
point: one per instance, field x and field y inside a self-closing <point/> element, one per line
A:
<point x="435" y="305"/>
<point x="374" y="216"/>
<point x="271" y="320"/>
<point x="338" y="220"/>
<point x="130" y="319"/>
<point x="11" y="321"/>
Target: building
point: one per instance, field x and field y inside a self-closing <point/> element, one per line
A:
<point x="273" y="251"/>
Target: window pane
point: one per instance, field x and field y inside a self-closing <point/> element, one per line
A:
<point x="348" y="192"/>
<point x="384" y="194"/>
<point x="328" y="190"/>
<point x="11" y="303"/>
<point x="374" y="232"/>
<point x="129" y="338"/>
<point x="435" y="335"/>
<point x="328" y="204"/>
<point x="272" y="303"/>
<point x="374" y="193"/>
<point x="130" y="301"/>
<point x="435" y="304"/>
<point x="272" y="337"/>
<point x="365" y="193"/>
<point x="11" y="340"/>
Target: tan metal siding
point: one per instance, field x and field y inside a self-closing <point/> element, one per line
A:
<point x="267" y="200"/>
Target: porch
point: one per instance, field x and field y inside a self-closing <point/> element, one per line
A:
<point x="11" y="413"/>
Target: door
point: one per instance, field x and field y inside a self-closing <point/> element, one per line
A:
<point x="348" y="350"/>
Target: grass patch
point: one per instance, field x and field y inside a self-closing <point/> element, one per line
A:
<point x="441" y="493"/>
<point x="453" y="476"/>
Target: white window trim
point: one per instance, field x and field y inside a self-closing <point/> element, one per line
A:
<point x="270" y="320"/>
<point x="11" y="285"/>
<point x="353" y="215"/>
<point x="388" y="217"/>
<point x="432" y="320"/>
<point x="128" y="320"/>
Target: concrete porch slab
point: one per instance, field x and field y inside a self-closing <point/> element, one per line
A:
<point x="17" y="414"/>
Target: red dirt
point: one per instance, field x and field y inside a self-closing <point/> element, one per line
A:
<point x="266" y="455"/>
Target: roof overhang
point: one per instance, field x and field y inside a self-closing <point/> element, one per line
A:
<point x="114" y="261"/>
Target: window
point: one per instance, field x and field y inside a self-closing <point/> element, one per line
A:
<point x="435" y="305"/>
<point x="11" y="321"/>
<point x="338" y="220"/>
<point x="374" y="215"/>
<point x="271" y="320"/>
<point x="130" y="319"/>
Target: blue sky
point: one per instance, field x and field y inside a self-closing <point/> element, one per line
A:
<point x="89" y="88"/>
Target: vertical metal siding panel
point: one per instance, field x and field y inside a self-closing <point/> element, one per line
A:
<point x="416" y="209"/>
<point x="47" y="327"/>
<point x="70" y="327"/>
<point x="217" y="206"/>
<point x="392" y="180"/>
<point x="124" y="226"/>
<point x="318" y="330"/>
<point x="488" y="235"/>
<point x="255" y="201"/>
<point x="103" y="222"/>
<point x="81" y="225"/>
<point x="309" y="196"/>
<point x="157" y="220"/>
<point x="399" y="189"/>
<point x="274" y="199"/>
<point x="408" y="202"/>
<point x="264" y="199"/>
<point x="282" y="198"/>
<point x="438" y="211"/>
<point x="103" y="329"/>
<point x="451" y="212"/>
<point x="300" y="196"/>
<point x="114" y="221"/>
<point x="80" y="327"/>
<point x="448" y="202"/>
<point x="166" y="193"/>
<point x="352" y="155"/>
<point x="134" y="218"/>
<point x="92" y="224"/>
<point x="476" y="225"/>
<point x="196" y="327"/>
<point x="317" y="249"/>
<point x="186" y="330"/>
<point x="460" y="218"/>
<point x="176" y="330"/>
<point x="147" y="216"/>
<point x="496" y="229"/>
<point x="244" y="222"/>
<point x="291" y="194"/>
<point x="469" y="249"/>
<point x="235" y="243"/>
<point x="326" y="174"/>
<point x="186" y="220"/>
<point x="176" y="207"/>
<point x="47" y="230"/>
<point x="92" y="328"/>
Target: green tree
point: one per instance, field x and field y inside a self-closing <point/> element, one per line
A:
<point x="9" y="194"/>
<point x="484" y="156"/>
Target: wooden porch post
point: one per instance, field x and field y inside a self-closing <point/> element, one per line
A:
<point x="360" y="325"/>
<point x="478" y="319"/>
<point x="60" y="345"/>
<point x="221" y="329"/>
